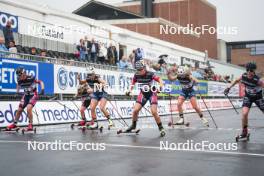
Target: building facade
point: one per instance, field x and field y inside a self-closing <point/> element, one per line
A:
<point x="239" y="53"/>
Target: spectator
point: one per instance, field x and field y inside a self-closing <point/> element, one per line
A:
<point x="172" y="69"/>
<point x="111" y="54"/>
<point x="33" y="51"/>
<point x="132" y="58"/>
<point x="93" y="49"/>
<point x="2" y="47"/>
<point x="8" y="33"/>
<point x="161" y="66"/>
<point x="43" y="53"/>
<point x="122" y="64"/>
<point x="116" y="55"/>
<point x="196" y="74"/>
<point x="81" y="49"/>
<point x="102" y="53"/>
<point x="121" y="52"/>
<point x="138" y="54"/>
<point x="86" y="43"/>
<point x="12" y="47"/>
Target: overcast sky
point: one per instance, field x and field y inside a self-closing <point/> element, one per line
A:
<point x="246" y="15"/>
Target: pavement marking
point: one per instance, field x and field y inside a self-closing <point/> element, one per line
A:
<point x="157" y="148"/>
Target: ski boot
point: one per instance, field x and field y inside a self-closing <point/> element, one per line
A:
<point x="244" y="136"/>
<point x="180" y="121"/>
<point x="205" y="121"/>
<point x="110" y="123"/>
<point x="162" y="132"/>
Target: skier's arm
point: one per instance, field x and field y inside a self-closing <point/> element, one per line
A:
<point x="194" y="79"/>
<point x="261" y="83"/>
<point x="159" y="80"/>
<point x="226" y="91"/>
<point x="235" y="82"/>
<point x="131" y="87"/>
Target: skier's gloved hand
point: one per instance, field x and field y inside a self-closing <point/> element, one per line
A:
<point x="127" y="93"/>
<point x="226" y="91"/>
<point x="42" y="92"/>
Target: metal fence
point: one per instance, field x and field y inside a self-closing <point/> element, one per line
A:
<point x="5" y="54"/>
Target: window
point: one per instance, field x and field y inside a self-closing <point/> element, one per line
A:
<point x="259" y="48"/>
<point x="256" y="49"/>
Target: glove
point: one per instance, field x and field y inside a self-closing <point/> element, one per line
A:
<point x="128" y="93"/>
<point x="226" y="91"/>
<point x="42" y="92"/>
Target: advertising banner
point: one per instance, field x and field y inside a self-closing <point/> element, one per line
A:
<point x="8" y="77"/>
<point x="4" y="17"/>
<point x="55" y="112"/>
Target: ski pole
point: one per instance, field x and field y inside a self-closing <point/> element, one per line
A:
<point x="207" y="108"/>
<point x="231" y="103"/>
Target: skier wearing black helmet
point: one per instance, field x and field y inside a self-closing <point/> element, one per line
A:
<point x="253" y="94"/>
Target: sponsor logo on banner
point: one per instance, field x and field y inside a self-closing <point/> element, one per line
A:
<point x="65" y="79"/>
<point x="62" y="78"/>
<point x="41" y="71"/>
<point x="4" y="17"/>
<point x="67" y="111"/>
<point x="177" y="88"/>
<point x="8" y="73"/>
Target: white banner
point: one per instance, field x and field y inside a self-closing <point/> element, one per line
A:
<point x="57" y="112"/>
<point x="65" y="79"/>
<point x="216" y="89"/>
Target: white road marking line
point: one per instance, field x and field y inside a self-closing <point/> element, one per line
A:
<point x="158" y="148"/>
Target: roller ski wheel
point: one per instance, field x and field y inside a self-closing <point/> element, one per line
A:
<point x="135" y="131"/>
<point x="25" y="130"/>
<point x="110" y="126"/>
<point x="170" y="124"/>
<point x="240" y="138"/>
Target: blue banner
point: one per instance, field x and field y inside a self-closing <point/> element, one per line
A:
<point x="4" y="17"/>
<point x="8" y="78"/>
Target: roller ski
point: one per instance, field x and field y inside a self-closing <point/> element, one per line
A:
<point x="131" y="129"/>
<point x="243" y="137"/>
<point x="135" y="131"/>
<point x="91" y="126"/>
<point x="82" y="123"/>
<point x="180" y="122"/>
<point x="12" y="128"/>
<point x="29" y="129"/>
